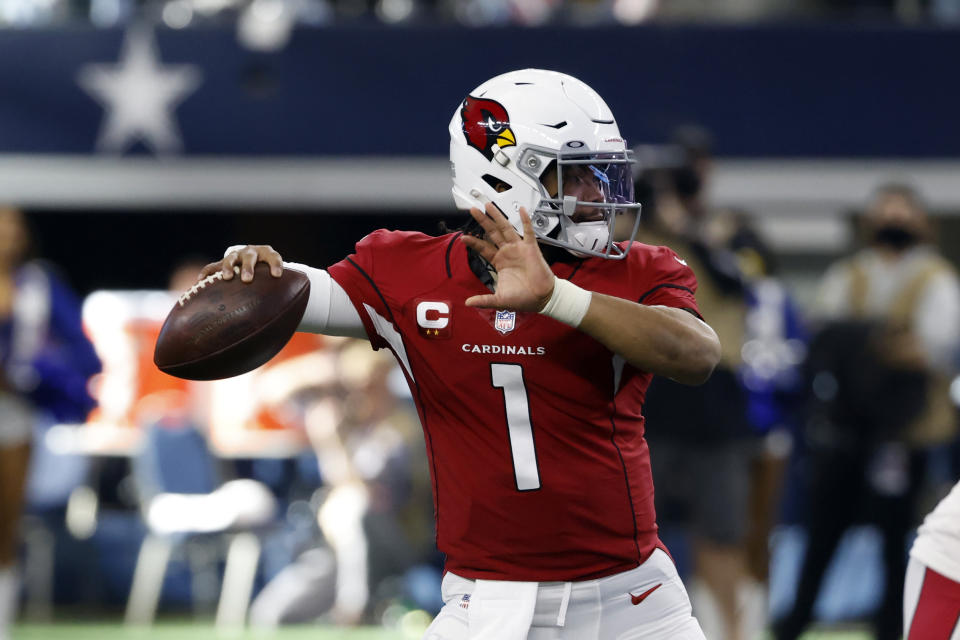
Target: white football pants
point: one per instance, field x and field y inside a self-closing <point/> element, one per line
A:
<point x="938" y="614"/>
<point x="601" y="609"/>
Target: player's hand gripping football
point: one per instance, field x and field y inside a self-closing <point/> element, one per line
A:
<point x="246" y="258"/>
<point x="524" y="280"/>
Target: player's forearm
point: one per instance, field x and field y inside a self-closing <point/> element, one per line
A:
<point x="329" y="310"/>
<point x="662" y="340"/>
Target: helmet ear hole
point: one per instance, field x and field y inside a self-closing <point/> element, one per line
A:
<point x="496" y="183"/>
<point x="550" y="179"/>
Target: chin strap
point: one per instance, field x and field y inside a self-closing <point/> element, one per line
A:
<point x="590" y="236"/>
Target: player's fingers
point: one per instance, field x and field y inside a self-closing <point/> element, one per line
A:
<point x="502" y="224"/>
<point x="228" y="263"/>
<point x="528" y="235"/>
<point x="271" y="257"/>
<point x="486" y="301"/>
<point x="488" y="225"/>
<point x="484" y="220"/>
<point x="248" y="260"/>
<point x="485" y="248"/>
<point x="209" y="270"/>
<point x="496" y="238"/>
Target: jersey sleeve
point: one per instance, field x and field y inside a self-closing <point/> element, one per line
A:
<point x="358" y="275"/>
<point x="671" y="283"/>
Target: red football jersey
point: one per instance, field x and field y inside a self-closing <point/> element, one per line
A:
<point x="534" y="430"/>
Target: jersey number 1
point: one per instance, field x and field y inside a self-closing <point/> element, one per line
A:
<point x="509" y="377"/>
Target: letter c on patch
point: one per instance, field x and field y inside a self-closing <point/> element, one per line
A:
<point x="433" y="315"/>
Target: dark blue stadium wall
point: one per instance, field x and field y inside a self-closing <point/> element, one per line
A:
<point x="765" y="92"/>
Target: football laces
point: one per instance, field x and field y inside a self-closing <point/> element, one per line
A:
<point x="192" y="291"/>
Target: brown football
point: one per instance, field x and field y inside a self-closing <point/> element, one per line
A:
<point x="222" y="328"/>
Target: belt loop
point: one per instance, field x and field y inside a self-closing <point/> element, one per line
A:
<point x="564" y="603"/>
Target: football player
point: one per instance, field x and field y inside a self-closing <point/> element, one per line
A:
<point x="931" y="591"/>
<point x="528" y="341"/>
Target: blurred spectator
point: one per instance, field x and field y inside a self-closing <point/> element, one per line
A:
<point x="725" y="10"/>
<point x="267" y="24"/>
<point x="383" y="438"/>
<point x="773" y="353"/>
<point x="371" y="514"/>
<point x="771" y="374"/>
<point x="46" y="362"/>
<point x="701" y="451"/>
<point x="879" y="372"/>
<point x="366" y="461"/>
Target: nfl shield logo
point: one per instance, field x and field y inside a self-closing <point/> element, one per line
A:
<point x="505" y="321"/>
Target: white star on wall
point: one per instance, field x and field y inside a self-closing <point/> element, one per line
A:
<point x="139" y="96"/>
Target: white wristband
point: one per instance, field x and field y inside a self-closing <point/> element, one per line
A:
<point x="568" y="304"/>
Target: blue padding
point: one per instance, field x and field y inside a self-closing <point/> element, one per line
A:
<point x="176" y="460"/>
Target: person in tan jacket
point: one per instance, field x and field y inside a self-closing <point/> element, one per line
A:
<point x="900" y="299"/>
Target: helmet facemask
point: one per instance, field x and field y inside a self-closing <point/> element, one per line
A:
<point x="553" y="217"/>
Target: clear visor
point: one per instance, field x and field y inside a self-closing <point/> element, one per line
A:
<point x="611" y="179"/>
<point x="588" y="188"/>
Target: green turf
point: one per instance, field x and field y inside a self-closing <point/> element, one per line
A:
<point x="202" y="631"/>
<point x="192" y="631"/>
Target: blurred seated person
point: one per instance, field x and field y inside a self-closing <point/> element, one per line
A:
<point x="366" y="442"/>
<point x="879" y="373"/>
<point x="45" y="363"/>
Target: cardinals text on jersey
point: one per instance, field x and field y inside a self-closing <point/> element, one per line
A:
<point x="539" y="466"/>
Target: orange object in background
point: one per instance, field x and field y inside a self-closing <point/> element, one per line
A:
<point x="273" y="417"/>
<point x="131" y="391"/>
<point x="144" y="333"/>
<point x="154" y="389"/>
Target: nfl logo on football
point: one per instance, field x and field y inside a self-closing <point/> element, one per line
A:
<point x="505" y="321"/>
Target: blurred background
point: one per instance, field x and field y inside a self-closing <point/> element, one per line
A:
<point x="139" y="138"/>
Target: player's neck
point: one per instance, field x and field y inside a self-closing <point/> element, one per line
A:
<point x="554" y="254"/>
<point x="486" y="273"/>
<point x="482" y="269"/>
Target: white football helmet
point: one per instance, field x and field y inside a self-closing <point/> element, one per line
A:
<point x="513" y="130"/>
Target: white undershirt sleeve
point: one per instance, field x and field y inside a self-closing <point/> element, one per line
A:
<point x="329" y="310"/>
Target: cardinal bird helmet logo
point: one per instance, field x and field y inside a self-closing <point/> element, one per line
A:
<point x="486" y="123"/>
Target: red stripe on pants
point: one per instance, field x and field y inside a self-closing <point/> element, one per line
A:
<point x="938" y="608"/>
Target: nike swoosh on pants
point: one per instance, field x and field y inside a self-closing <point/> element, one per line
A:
<point x="643" y="596"/>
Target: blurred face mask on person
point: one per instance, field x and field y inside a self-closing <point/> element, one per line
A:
<point x="895" y="237"/>
<point x="896" y="222"/>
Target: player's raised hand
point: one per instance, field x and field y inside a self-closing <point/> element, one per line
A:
<point x="524" y="280"/>
<point x="245" y="258"/>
